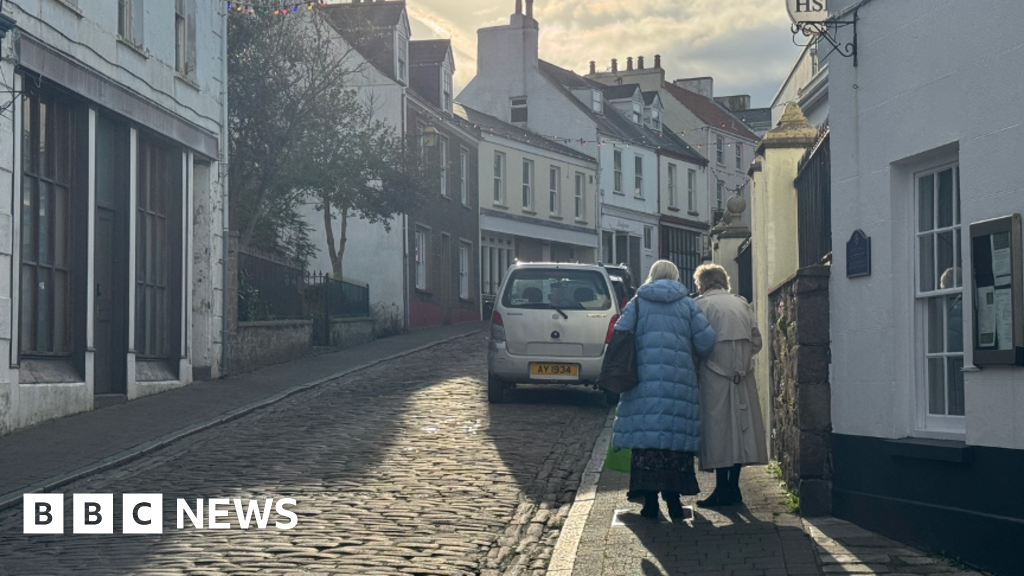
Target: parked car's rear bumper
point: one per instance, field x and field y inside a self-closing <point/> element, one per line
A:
<point x="516" y="368"/>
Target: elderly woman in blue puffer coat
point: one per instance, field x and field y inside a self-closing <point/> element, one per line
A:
<point x="659" y="419"/>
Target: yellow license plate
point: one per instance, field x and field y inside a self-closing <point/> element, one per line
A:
<point x="555" y="370"/>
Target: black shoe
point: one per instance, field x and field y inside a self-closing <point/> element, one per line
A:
<point x="735" y="496"/>
<point x="675" y="509"/>
<point x="650" y="509"/>
<point x="719" y="497"/>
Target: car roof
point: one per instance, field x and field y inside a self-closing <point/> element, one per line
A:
<point x="565" y="265"/>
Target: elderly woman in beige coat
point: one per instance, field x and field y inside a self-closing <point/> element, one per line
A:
<point x="733" y="430"/>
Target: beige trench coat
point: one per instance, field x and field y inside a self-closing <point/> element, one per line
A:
<point x="732" y="427"/>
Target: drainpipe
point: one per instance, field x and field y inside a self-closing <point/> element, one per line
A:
<point x="223" y="169"/>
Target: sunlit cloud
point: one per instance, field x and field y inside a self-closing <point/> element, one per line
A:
<point x="744" y="44"/>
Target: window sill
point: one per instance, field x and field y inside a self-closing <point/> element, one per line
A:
<point x="528" y="211"/>
<point x="954" y="451"/>
<point x="184" y="79"/>
<point x="556" y="217"/>
<point x="446" y="197"/>
<point x="673" y="209"/>
<point x="619" y="192"/>
<point x="466" y="300"/>
<point x="692" y="213"/>
<point x="581" y="222"/>
<point x="424" y="291"/>
<point x="71" y="7"/>
<point x="500" y="206"/>
<point x="138" y="49"/>
<point x="48" y="371"/>
<point x="467" y="206"/>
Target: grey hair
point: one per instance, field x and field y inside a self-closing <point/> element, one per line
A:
<point x="711" y="276"/>
<point x="663" y="270"/>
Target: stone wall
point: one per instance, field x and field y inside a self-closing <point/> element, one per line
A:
<point x="349" y="332"/>
<point x="800" y="393"/>
<point x="254" y="345"/>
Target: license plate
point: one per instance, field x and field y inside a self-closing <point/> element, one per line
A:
<point x="555" y="370"/>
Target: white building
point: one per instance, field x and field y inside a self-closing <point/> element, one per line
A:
<point x="538" y="200"/>
<point x="113" y="261"/>
<point x="567" y="108"/>
<point x="928" y="429"/>
<point x="690" y="110"/>
<point x="807" y="85"/>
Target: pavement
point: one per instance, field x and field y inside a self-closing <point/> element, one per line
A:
<point x="604" y="535"/>
<point x="46" y="456"/>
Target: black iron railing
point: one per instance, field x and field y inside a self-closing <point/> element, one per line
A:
<point x="327" y="298"/>
<point x="268" y="289"/>
<point x="814" y="201"/>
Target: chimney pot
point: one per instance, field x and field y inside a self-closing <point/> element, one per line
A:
<point x="657" y="61"/>
<point x="639" y="62"/>
<point x="519" y="6"/>
<point x="529" y="8"/>
<point x="615" y="65"/>
<point x="629" y="63"/>
<point x="593" y="67"/>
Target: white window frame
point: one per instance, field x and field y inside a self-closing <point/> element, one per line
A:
<point x="420" y="257"/>
<point x="555" y="190"/>
<point x="739" y="155"/>
<point x="617" y="167"/>
<point x="529" y="169"/>
<point x="638" y="176"/>
<point x="673" y="192"/>
<point x="648" y="237"/>
<point x="597" y="102"/>
<point x="464" y="250"/>
<point x="499" y="179"/>
<point x="638" y="113"/>
<point x="926" y="423"/>
<point x="691" y="189"/>
<point x="402" y="58"/>
<point x="464" y="176"/>
<point x="581" y="196"/>
<point x="446" y="90"/>
<point x="720" y="150"/>
<point x="442" y="153"/>
<point x="719" y="195"/>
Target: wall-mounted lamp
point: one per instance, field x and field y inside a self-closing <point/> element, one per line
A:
<point x="430" y="136"/>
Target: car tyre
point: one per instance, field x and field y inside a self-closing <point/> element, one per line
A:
<point x="612" y="398"/>
<point x="495" y="389"/>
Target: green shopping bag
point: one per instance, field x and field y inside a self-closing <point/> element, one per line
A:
<point x="617" y="460"/>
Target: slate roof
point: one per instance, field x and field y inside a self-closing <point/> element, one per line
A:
<point x="489" y="124"/>
<point x="428" y="51"/>
<point x="367" y="15"/>
<point x="649" y="97"/>
<point x="710" y="112"/>
<point x="613" y="123"/>
<point x="622" y="92"/>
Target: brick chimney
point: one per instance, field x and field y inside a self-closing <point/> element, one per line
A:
<point x="629" y="63"/>
<point x="519" y="6"/>
<point x="657" y="60"/>
<point x="639" y="62"/>
<point x="615" y="65"/>
<point x="593" y="67"/>
<point x="529" y="8"/>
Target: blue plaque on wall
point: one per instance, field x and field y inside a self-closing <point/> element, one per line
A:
<point x="858" y="255"/>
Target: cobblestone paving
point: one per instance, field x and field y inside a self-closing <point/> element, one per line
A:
<point x="400" y="469"/>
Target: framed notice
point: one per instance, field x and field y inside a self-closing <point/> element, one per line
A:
<point x="998" y="292"/>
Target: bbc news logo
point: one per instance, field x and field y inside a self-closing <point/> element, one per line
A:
<point x="143" y="513"/>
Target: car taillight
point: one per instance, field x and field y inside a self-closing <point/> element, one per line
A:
<point x="611" y="328"/>
<point x="497" y="327"/>
<point x="623" y="303"/>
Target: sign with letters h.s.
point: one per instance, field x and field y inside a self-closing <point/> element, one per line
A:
<point x="807" y="10"/>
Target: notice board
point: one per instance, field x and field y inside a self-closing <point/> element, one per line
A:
<point x="998" y="333"/>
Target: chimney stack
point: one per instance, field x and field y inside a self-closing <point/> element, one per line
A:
<point x="529" y="8"/>
<point x="657" y="61"/>
<point x="629" y="63"/>
<point x="519" y="6"/>
<point x="593" y="67"/>
<point x="615" y="65"/>
<point x="639" y="62"/>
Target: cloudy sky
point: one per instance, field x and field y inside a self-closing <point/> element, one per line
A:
<point x="744" y="44"/>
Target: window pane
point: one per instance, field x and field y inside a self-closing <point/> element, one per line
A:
<point x="45" y="225"/>
<point x="956" y="386"/>
<point x="60" y="218"/>
<point x="44" y="298"/>
<point x="28" y="308"/>
<point x="936" y="325"/>
<point x="61" y="145"/>
<point x="42" y="165"/>
<point x="927" y="267"/>
<point x="946" y="198"/>
<point x="957" y="201"/>
<point x="60" y="286"/>
<point x="27" y="153"/>
<point x="936" y="386"/>
<point x="959" y="276"/>
<point x="28" y="220"/>
<point x="926" y="203"/>
<point x="945" y="263"/>
<point x="955" y="320"/>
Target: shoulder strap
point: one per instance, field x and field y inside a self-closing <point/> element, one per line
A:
<point x="636" y="312"/>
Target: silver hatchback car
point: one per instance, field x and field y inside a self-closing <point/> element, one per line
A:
<point x="551" y="324"/>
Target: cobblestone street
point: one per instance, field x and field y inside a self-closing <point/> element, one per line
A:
<point x="400" y="468"/>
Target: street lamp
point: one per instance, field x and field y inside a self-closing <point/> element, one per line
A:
<point x="430" y="136"/>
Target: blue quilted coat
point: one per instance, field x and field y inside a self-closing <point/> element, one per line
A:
<point x="663" y="411"/>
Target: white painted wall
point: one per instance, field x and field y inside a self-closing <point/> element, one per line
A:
<point x="929" y="77"/>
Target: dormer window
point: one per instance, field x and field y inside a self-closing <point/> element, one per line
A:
<point x="519" y="110"/>
<point x="402" y="68"/>
<point x="598" y="104"/>
<point x="655" y="119"/>
<point x="446" y="91"/>
<point x="638" y="113"/>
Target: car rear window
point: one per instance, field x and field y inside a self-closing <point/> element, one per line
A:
<point x="563" y="289"/>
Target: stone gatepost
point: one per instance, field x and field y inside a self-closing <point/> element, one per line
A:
<point x="728" y="236"/>
<point x="774" y="236"/>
